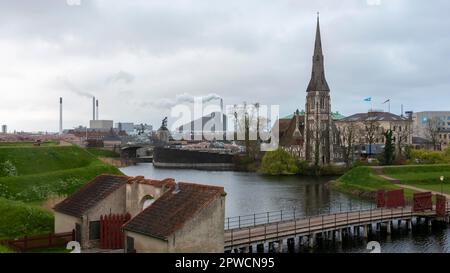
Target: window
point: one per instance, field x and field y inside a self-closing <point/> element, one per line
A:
<point x="94" y="230"/>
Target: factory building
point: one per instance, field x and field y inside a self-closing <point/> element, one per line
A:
<point x="101" y="124"/>
<point x="125" y="126"/>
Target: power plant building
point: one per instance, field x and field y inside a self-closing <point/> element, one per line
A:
<point x="101" y="124"/>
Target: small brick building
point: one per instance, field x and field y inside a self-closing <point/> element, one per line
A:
<point x="189" y="218"/>
<point x="165" y="216"/>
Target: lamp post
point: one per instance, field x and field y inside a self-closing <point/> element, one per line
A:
<point x="442" y="185"/>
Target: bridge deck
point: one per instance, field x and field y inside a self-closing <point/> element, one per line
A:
<point x="300" y="227"/>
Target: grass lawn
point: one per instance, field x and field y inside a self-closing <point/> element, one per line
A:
<point x="363" y="181"/>
<point x="18" y="219"/>
<point x="27" y="144"/>
<point x="42" y="172"/>
<point x="35" y="160"/>
<point x="422" y="176"/>
<point x="103" y="153"/>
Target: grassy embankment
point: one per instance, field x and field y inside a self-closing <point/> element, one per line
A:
<point x="422" y="176"/>
<point x="42" y="173"/>
<point x="362" y="181"/>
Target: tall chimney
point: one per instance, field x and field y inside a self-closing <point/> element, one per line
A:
<point x="93" y="108"/>
<point x="60" y="116"/>
<point x="96" y="104"/>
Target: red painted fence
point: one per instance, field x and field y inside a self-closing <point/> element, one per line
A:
<point x="423" y="201"/>
<point x="111" y="235"/>
<point x="441" y="205"/>
<point x="390" y="199"/>
<point x="395" y="199"/>
<point x="381" y="201"/>
<point x="40" y="242"/>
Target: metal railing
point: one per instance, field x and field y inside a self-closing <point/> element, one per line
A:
<point x="318" y="223"/>
<point x="271" y="217"/>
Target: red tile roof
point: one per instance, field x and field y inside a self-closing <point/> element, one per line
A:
<point x="98" y="189"/>
<point x="91" y="194"/>
<point x="171" y="211"/>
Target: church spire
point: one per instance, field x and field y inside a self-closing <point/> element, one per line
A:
<point x="318" y="81"/>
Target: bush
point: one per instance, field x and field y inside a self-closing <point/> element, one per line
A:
<point x="18" y="219"/>
<point x="278" y="162"/>
<point x="429" y="157"/>
<point x="7" y="169"/>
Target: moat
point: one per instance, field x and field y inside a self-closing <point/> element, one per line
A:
<point x="249" y="193"/>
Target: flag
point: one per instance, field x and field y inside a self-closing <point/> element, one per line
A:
<point x="368" y="99"/>
<point x="389" y="100"/>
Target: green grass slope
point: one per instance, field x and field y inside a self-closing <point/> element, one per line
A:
<point x="362" y="181"/>
<point x="422" y="176"/>
<point x="34" y="160"/>
<point x="18" y="219"/>
<point x="48" y="171"/>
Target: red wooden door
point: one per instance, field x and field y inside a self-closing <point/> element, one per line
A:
<point x="111" y="235"/>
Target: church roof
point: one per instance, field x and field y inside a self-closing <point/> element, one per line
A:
<point x="318" y="81"/>
<point x="375" y="116"/>
<point x="334" y="115"/>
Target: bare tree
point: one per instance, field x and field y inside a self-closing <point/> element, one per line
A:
<point x="348" y="133"/>
<point x="432" y="132"/>
<point x="372" y="128"/>
<point x="401" y="137"/>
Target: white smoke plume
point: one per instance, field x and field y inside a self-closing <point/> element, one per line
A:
<point x="69" y="85"/>
<point x="180" y="99"/>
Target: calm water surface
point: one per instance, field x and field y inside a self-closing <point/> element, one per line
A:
<point x="249" y="193"/>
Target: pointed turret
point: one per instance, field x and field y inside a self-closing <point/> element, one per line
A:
<point x="318" y="81"/>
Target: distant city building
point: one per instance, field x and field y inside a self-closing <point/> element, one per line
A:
<point x="368" y="131"/>
<point x="205" y="127"/>
<point x="421" y="122"/>
<point x="4" y="129"/>
<point x="101" y="124"/>
<point x="146" y="127"/>
<point x="125" y="126"/>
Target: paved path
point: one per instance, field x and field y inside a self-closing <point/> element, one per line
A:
<point x="379" y="171"/>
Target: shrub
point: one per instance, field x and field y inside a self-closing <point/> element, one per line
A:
<point x="429" y="157"/>
<point x="278" y="162"/>
<point x="7" y="168"/>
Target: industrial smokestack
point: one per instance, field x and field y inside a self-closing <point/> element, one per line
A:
<point x="93" y="108"/>
<point x="96" y="104"/>
<point x="60" y="116"/>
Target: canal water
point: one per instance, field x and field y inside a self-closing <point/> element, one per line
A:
<point x="249" y="193"/>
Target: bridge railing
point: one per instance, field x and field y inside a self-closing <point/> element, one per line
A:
<point x="270" y="217"/>
<point x="262" y="232"/>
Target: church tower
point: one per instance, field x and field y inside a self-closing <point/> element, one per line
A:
<point x="318" y="144"/>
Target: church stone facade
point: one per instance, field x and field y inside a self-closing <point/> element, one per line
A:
<point x="311" y="135"/>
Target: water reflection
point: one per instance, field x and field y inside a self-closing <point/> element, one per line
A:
<point x="249" y="193"/>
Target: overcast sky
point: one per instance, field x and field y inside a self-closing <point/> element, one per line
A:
<point x="137" y="56"/>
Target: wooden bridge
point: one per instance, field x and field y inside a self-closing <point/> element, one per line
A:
<point x="242" y="233"/>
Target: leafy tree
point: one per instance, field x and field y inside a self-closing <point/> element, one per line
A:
<point x="278" y="162"/>
<point x="389" y="148"/>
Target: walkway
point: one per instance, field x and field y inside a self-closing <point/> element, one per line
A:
<point x="328" y="225"/>
<point x="380" y="172"/>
